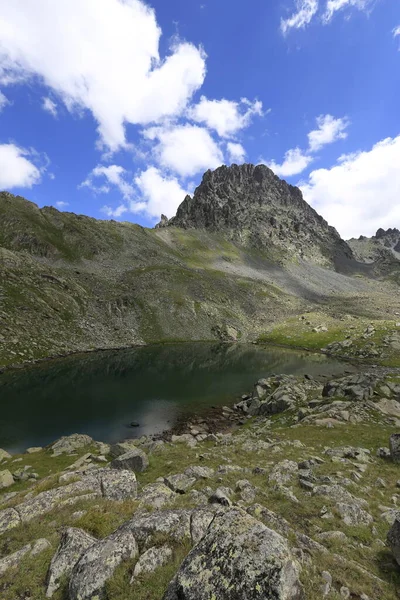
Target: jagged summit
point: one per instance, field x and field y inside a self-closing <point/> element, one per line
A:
<point x="384" y="246"/>
<point x="254" y="206"/>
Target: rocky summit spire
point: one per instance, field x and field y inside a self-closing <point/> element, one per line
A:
<point x="252" y="205"/>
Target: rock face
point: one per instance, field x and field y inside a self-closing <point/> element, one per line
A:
<point x="72" y="545"/>
<point x="394" y="444"/>
<point x="238" y="558"/>
<point x="393" y="538"/>
<point x="99" y="562"/>
<point x="254" y="206"/>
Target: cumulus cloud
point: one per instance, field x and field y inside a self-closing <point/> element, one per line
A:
<point x="329" y="130"/>
<point x="49" y="106"/>
<point x="104" y="59"/>
<point x="3" y="101"/>
<point x="305" y="11"/>
<point x="225" y="116"/>
<point x="159" y="194"/>
<point x="236" y="152"/>
<point x="185" y="149"/>
<point x="396" y="31"/>
<point x="114" y="212"/>
<point x="333" y="6"/>
<point x="361" y="192"/>
<point x="17" y="168"/>
<point x="294" y="163"/>
<point x="62" y="204"/>
<point x="112" y="175"/>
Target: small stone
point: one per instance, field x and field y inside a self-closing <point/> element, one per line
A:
<point x="34" y="449"/>
<point x="179" y="483"/>
<point x="344" y="592"/>
<point x="40" y="546"/>
<point x="152" y="559"/>
<point x="383" y="453"/>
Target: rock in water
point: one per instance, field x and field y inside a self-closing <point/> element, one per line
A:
<point x="394" y="444"/>
<point x="393" y="538"/>
<point x="98" y="564"/>
<point x="134" y="460"/>
<point x="238" y="558"/>
<point x="73" y="543"/>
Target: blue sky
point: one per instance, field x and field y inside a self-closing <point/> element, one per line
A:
<point x="115" y="108"/>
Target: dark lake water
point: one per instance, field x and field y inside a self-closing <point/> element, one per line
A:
<point x="102" y="393"/>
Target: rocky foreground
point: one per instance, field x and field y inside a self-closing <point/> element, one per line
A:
<point x="297" y="501"/>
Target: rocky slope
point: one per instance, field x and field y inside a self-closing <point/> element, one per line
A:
<point x="381" y="250"/>
<point x="282" y="504"/>
<point x="251" y="204"/>
<point x="244" y="254"/>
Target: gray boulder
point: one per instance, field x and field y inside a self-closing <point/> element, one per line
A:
<point x="238" y="558"/>
<point x="179" y="483"/>
<point x="152" y="559"/>
<point x="352" y="514"/>
<point x="393" y="538"/>
<point x="156" y="495"/>
<point x="135" y="460"/>
<point x="9" y="518"/>
<point x="6" y="479"/>
<point x="118" y="485"/>
<point x="200" y="521"/>
<point x="70" y="443"/>
<point x="394" y="444"/>
<point x="98" y="563"/>
<point x="174" y="524"/>
<point x="4" y="454"/>
<point x="199" y="472"/>
<point x="72" y="545"/>
<point x="13" y="560"/>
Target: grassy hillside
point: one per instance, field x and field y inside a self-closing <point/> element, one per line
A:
<point x="71" y="283"/>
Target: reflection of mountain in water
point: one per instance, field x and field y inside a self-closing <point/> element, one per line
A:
<point x="100" y="393"/>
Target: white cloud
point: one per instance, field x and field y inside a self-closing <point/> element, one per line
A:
<point x="113" y="175"/>
<point x="101" y="56"/>
<point x="329" y="130"/>
<point x="62" y="204"/>
<point x="159" y="194"/>
<point x="332" y="6"/>
<point x="16" y="170"/>
<point x="305" y="11"/>
<point x="49" y="106"/>
<point x="295" y="162"/>
<point x="236" y="152"/>
<point x="361" y="193"/>
<point x="185" y="149"/>
<point x="225" y="116"/>
<point x="3" y="101"/>
<point x="396" y="31"/>
<point x="114" y="212"/>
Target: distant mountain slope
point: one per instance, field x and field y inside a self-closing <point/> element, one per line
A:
<point x="244" y="254"/>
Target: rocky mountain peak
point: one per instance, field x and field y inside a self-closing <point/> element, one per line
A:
<point x="255" y="207"/>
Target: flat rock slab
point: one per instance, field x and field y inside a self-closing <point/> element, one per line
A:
<point x="238" y="558"/>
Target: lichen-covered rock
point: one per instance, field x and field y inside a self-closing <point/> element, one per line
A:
<point x="199" y="472"/>
<point x="9" y="518"/>
<point x="238" y="558"/>
<point x="393" y="538"/>
<point x="200" y="521"/>
<point x="6" y="479"/>
<point x="352" y="514"/>
<point x="40" y="546"/>
<point x="4" y="454"/>
<point x="283" y="472"/>
<point x="73" y="543"/>
<point x="171" y="523"/>
<point x="13" y="560"/>
<point x="394" y="443"/>
<point x="118" y="485"/>
<point x="180" y="482"/>
<point x="135" y="460"/>
<point x="98" y="563"/>
<point x="337" y="493"/>
<point x="70" y="443"/>
<point x="156" y="495"/>
<point x="152" y="559"/>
